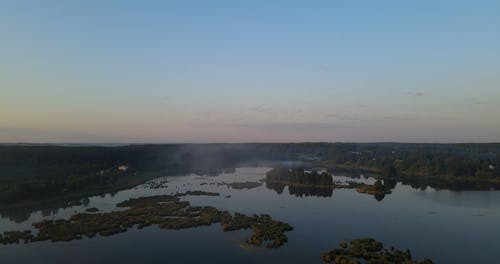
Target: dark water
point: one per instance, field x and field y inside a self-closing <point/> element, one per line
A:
<point x="448" y="227"/>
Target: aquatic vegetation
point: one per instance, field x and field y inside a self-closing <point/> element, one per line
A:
<point x="198" y="193"/>
<point x="156" y="184"/>
<point x="264" y="228"/>
<point x="243" y="185"/>
<point x="165" y="211"/>
<point x="368" y="250"/>
<point x="11" y="237"/>
<point x="91" y="210"/>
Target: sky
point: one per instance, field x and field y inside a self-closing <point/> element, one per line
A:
<point x="249" y="71"/>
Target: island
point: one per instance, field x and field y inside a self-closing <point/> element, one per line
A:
<point x="164" y="211"/>
<point x="241" y="185"/>
<point x="301" y="182"/>
<point x="368" y="250"/>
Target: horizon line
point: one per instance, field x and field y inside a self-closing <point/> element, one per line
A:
<point x="242" y="142"/>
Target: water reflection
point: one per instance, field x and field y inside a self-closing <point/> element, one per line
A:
<point x="49" y="208"/>
<point x="425" y="221"/>
<point x="457" y="184"/>
<point x="313" y="191"/>
<point x="300" y="191"/>
<point x="20" y="214"/>
<point x="317" y="182"/>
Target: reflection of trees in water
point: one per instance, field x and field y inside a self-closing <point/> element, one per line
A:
<point x="379" y="190"/>
<point x="379" y="196"/>
<point x="20" y="214"/>
<point x="453" y="183"/>
<point x="456" y="184"/>
<point x="388" y="185"/>
<point x="277" y="187"/>
<point x="300" y="191"/>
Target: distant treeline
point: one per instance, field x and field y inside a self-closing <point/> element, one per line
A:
<point x="45" y="170"/>
<point x="428" y="160"/>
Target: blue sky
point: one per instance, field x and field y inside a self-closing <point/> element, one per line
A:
<point x="246" y="71"/>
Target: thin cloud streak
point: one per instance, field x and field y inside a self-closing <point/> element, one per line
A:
<point x="414" y="93"/>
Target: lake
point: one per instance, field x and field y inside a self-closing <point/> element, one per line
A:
<point x="446" y="226"/>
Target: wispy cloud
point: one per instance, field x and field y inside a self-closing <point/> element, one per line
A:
<point x="479" y="102"/>
<point x="343" y="117"/>
<point x="289" y="126"/>
<point x="296" y="112"/>
<point x="396" y="118"/>
<point x="414" y="93"/>
<point x="261" y="109"/>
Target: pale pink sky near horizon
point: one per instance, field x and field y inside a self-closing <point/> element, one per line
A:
<point x="256" y="71"/>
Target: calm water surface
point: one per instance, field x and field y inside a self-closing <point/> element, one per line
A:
<point x="448" y="227"/>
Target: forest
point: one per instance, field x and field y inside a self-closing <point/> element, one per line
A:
<point x="391" y="159"/>
<point x="34" y="171"/>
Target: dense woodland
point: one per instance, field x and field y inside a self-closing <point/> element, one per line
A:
<point x="457" y="160"/>
<point x="32" y="171"/>
<point x="299" y="176"/>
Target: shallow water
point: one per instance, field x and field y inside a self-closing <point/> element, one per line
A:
<point x="446" y="226"/>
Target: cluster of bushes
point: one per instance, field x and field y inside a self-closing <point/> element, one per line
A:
<point x="368" y="250"/>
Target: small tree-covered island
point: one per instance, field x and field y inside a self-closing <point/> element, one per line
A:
<point x="297" y="178"/>
<point x="368" y="250"/>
